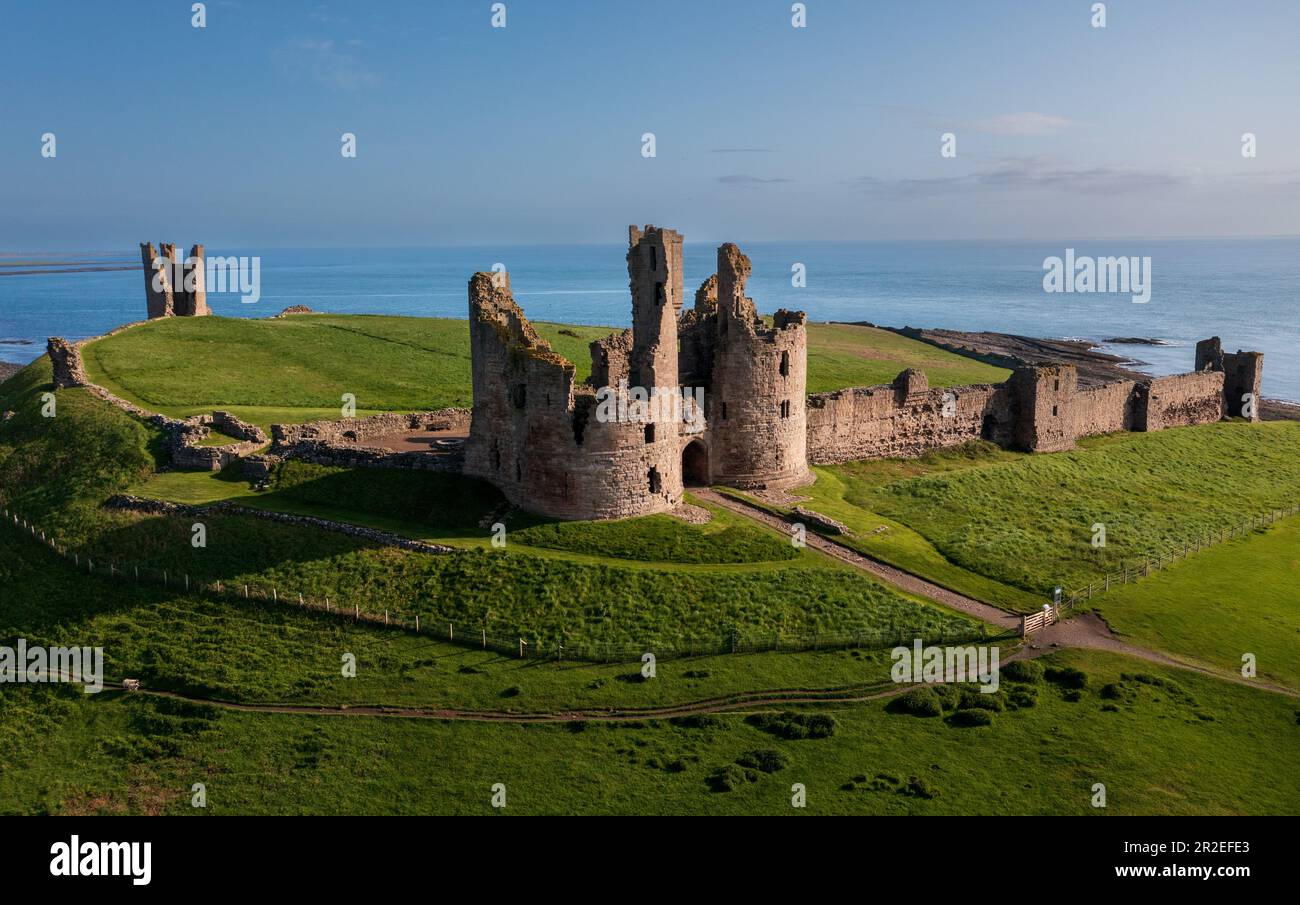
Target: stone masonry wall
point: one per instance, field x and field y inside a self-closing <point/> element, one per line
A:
<point x="359" y="430"/>
<point x="1183" y="400"/>
<point x="1040" y="409"/>
<point x="882" y="422"/>
<point x="65" y="358"/>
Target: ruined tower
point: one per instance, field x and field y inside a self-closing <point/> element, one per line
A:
<point x="757" y="408"/>
<point x="654" y="271"/>
<point x="159" y="297"/>
<point x="192" y="301"/>
<point x="1242" y="375"/>
<point x="1044" y="397"/>
<point x="171" y="287"/>
<point x="546" y="443"/>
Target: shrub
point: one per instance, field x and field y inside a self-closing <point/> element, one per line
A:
<point x="949" y="696"/>
<point x="730" y="778"/>
<point x="968" y="718"/>
<point x="918" y="702"/>
<point x="769" y="760"/>
<point x="1026" y="671"/>
<point x="976" y="700"/>
<point x="791" y="725"/>
<point x="1067" y="677"/>
<point x="1022" y="698"/>
<point x="1114" y="691"/>
<point x="698" y="721"/>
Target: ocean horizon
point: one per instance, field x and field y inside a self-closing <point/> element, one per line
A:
<point x="1246" y="291"/>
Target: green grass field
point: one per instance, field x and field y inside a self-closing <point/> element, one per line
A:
<point x="1193" y="745"/>
<point x="844" y="493"/>
<point x="297" y="368"/>
<point x="1027" y="521"/>
<point x="1236" y="598"/>
<point x="847" y="355"/>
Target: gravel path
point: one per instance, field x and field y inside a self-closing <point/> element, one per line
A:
<point x="1086" y="630"/>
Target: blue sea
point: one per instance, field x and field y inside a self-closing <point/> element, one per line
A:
<point x="1245" y="290"/>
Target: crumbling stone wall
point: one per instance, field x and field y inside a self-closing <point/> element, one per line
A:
<point x="185" y="441"/>
<point x="65" y="357"/>
<point x="358" y="430"/>
<point x="1107" y="409"/>
<point x="1039" y="409"/>
<point x="1181" y="400"/>
<point x="162" y="297"/>
<point x="889" y="421"/>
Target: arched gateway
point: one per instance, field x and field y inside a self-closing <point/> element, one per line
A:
<point x="695" y="464"/>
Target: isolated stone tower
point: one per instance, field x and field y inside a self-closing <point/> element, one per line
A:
<point x="163" y="297"/>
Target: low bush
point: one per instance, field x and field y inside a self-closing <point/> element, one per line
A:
<point x="769" y="760"/>
<point x="1067" y="677"/>
<point x="976" y="700"/>
<point x="921" y="701"/>
<point x="968" y="718"/>
<point x="791" y="725"/>
<point x="1025" y="671"/>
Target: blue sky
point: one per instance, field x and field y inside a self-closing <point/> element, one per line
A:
<point x="468" y="134"/>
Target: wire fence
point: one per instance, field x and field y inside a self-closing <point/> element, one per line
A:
<point x="480" y="636"/>
<point x="1195" y="545"/>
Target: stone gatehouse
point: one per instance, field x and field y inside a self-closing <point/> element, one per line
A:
<point x="596" y="450"/>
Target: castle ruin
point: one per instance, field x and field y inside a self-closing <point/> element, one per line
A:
<point x="163" y="297"/>
<point x="602" y="449"/>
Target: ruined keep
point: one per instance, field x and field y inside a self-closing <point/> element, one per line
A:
<point x="628" y="440"/>
<point x="163" y="297"/>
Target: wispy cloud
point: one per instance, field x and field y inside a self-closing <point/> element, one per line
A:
<point x="1029" y="123"/>
<point x="320" y="60"/>
<point x="1031" y="174"/>
<point x="745" y="181"/>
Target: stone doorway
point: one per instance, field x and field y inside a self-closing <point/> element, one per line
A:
<point x="695" y="465"/>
